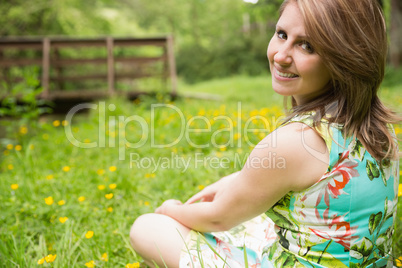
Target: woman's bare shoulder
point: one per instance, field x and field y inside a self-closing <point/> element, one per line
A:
<point x="297" y="149"/>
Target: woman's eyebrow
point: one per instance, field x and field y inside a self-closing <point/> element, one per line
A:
<point x="303" y="37"/>
<point x="298" y="37"/>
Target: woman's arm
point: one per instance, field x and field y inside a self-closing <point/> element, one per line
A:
<point x="280" y="163"/>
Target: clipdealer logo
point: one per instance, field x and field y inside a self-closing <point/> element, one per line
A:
<point x="200" y="160"/>
<point x="148" y="126"/>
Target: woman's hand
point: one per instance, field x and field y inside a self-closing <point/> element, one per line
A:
<point x="171" y="202"/>
<point x="208" y="193"/>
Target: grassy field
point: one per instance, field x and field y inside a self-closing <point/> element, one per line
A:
<point x="71" y="186"/>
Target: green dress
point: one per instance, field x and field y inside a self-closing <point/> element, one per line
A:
<point x="345" y="219"/>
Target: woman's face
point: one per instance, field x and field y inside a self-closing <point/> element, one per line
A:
<point x="297" y="70"/>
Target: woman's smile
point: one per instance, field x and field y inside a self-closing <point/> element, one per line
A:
<point x="284" y="75"/>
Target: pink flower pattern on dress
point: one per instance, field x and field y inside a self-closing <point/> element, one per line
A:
<point x="223" y="247"/>
<point x="338" y="230"/>
<point x="339" y="176"/>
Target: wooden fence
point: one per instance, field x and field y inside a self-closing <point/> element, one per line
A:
<point x="66" y="66"/>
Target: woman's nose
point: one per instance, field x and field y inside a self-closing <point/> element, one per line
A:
<point x="283" y="56"/>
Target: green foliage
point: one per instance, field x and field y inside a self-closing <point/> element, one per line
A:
<point x="22" y="105"/>
<point x="61" y="17"/>
<point x="239" y="56"/>
<point x="392" y="77"/>
<point x="22" y="100"/>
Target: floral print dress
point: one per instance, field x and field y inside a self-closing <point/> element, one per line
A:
<point x="345" y="219"/>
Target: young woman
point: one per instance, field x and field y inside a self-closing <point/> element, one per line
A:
<point x="334" y="203"/>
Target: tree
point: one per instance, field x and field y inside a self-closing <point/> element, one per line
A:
<point x="52" y="17"/>
<point x="396" y="33"/>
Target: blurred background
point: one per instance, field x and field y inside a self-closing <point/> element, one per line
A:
<point x="212" y="38"/>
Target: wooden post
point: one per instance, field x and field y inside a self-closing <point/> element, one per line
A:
<point x="45" y="67"/>
<point x="172" y="64"/>
<point x="110" y="65"/>
<point x="166" y="72"/>
<point x="5" y="74"/>
<point x="59" y="69"/>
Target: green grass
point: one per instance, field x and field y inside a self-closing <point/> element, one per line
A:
<point x="43" y="162"/>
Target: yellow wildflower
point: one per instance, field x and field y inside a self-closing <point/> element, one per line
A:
<point x="56" y="123"/>
<point x="201" y="112"/>
<point x="89" y="234"/>
<point x="45" y="136"/>
<point x="400" y="190"/>
<point x="23" y="130"/>
<point x="50" y="177"/>
<point x="31" y="146"/>
<point x="10" y="166"/>
<point x="113" y="168"/>
<point x="9" y="146"/>
<point x="81" y="198"/>
<point x="49" y="200"/>
<point x="66" y="168"/>
<point x="41" y="261"/>
<point x="87" y="141"/>
<point x="104" y="257"/>
<point x="90" y="264"/>
<point x="100" y="171"/>
<point x="109" y="209"/>
<point x="101" y="187"/>
<point x="146" y="203"/>
<point x="50" y="258"/>
<point x="201" y="187"/>
<point x="63" y="219"/>
<point x="14" y="186"/>
<point x="109" y="196"/>
<point x="133" y="265"/>
<point x="61" y="202"/>
<point x="18" y="147"/>
<point x="399" y="261"/>
<point x="112" y="186"/>
<point x="64" y="123"/>
<point x="6" y="152"/>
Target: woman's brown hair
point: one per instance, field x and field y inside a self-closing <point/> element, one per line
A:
<point x="351" y="38"/>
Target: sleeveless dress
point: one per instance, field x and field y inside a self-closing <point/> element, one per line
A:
<point x="345" y="219"/>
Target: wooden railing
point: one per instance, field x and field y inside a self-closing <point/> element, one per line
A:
<point x="64" y="70"/>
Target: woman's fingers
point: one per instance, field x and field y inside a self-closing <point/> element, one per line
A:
<point x="194" y="198"/>
<point x="160" y="210"/>
<point x="203" y="196"/>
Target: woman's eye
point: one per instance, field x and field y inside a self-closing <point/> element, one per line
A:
<point x="281" y="35"/>
<point x="307" y="47"/>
